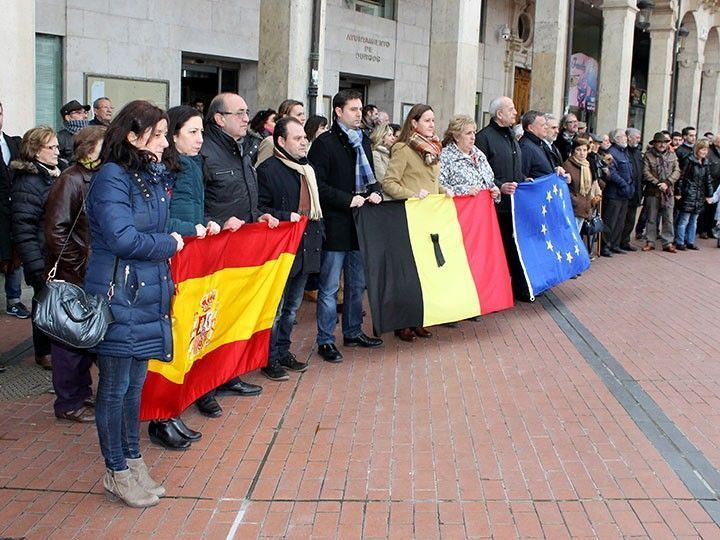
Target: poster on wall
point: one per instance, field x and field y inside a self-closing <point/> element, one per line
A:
<point x="583" y="82"/>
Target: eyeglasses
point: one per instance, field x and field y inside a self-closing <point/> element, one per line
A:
<point x="51" y="147"/>
<point x="243" y="112"/>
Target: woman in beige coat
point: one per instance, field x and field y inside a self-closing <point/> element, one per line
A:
<point x="414" y="171"/>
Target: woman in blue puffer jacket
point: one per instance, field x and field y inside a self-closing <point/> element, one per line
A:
<point x="128" y="211"/>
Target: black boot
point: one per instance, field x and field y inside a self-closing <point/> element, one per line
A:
<point x="163" y="433"/>
<point x="184" y="431"/>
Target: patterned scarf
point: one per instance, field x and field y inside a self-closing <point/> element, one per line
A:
<point x="429" y="149"/>
<point x="364" y="176"/>
<point x="585" y="175"/>
<point x="74" y="126"/>
<point x="307" y="175"/>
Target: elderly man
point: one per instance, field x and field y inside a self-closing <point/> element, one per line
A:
<point x="498" y="143"/>
<point x="288" y="190"/>
<point x="103" y="111"/>
<point x="634" y="151"/>
<point x="75" y="117"/>
<point x="660" y="172"/>
<point x="231" y="196"/>
<point x="552" y="129"/>
<point x="568" y="131"/>
<point x="619" y="189"/>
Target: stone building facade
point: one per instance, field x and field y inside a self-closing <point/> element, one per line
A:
<point x="456" y="55"/>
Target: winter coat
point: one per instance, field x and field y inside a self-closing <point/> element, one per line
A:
<point x="6" y="176"/>
<point x="598" y="168"/>
<point x="30" y="190"/>
<point x="129" y="215"/>
<point x="279" y="188"/>
<point x="460" y="172"/>
<point x="636" y="161"/>
<point x="564" y="144"/>
<point x="504" y="155"/>
<point x="683" y="153"/>
<point x="231" y="188"/>
<point x="408" y="173"/>
<point x="187" y="203"/>
<point x="66" y="144"/>
<point x="652" y="175"/>
<point x="333" y="158"/>
<point x="620" y="183"/>
<point x="65" y="202"/>
<point x="582" y="204"/>
<point x="251" y="144"/>
<point x="694" y="186"/>
<point x="381" y="158"/>
<point x="714" y="163"/>
<point x="535" y="160"/>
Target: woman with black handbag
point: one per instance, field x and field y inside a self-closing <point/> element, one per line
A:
<point x="35" y="171"/>
<point x="128" y="210"/>
<point x="67" y="233"/>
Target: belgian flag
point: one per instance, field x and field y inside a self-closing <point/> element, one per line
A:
<point x="432" y="261"/>
<point x="227" y="291"/>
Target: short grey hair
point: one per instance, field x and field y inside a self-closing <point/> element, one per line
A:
<point x="550" y="116"/>
<point x="614" y="133"/>
<point x="632" y="131"/>
<point x="495" y="105"/>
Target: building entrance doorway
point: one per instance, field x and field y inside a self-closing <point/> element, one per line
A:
<point x="203" y="78"/>
<point x="353" y="83"/>
<point x="521" y="90"/>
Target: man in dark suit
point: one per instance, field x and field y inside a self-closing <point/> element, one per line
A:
<point x="9" y="265"/>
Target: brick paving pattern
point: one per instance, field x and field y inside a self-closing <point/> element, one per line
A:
<point x="498" y="428"/>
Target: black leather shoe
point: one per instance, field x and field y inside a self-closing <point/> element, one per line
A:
<point x="362" y="341"/>
<point x="293" y="364"/>
<point x="242" y="388"/>
<point x="606" y="253"/>
<point x="329" y="353"/>
<point x="628" y="247"/>
<point x="163" y="433"/>
<point x="209" y="406"/>
<point x="617" y="251"/>
<point x="184" y="431"/>
<point x="275" y="372"/>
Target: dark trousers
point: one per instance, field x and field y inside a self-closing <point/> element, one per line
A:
<point x="71" y="376"/>
<point x="41" y="343"/>
<point x="642" y="222"/>
<point x="630" y="217"/>
<point x="285" y="319"/>
<point x="613" y="215"/>
<point x="517" y="275"/>
<point x="706" y="221"/>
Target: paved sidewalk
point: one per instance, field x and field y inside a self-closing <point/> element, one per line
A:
<point x="590" y="413"/>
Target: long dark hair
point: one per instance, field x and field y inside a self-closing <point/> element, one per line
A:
<point x="257" y="124"/>
<point x="314" y="123"/>
<point x="136" y="117"/>
<point x="177" y="118"/>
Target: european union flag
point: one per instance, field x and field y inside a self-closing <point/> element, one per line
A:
<point x="548" y="242"/>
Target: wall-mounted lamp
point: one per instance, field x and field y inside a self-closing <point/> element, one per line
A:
<point x="505" y="32"/>
<point x="643" y="17"/>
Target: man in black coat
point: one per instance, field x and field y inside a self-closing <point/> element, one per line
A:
<point x="635" y="153"/>
<point x="9" y="265"/>
<point x="498" y="143"/>
<point x="685" y="150"/>
<point x="288" y="190"/>
<point x="343" y="163"/>
<point x="536" y="161"/>
<point x="231" y="196"/>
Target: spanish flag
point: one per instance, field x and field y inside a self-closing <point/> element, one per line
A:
<point x="227" y="291"/>
<point x="432" y="261"/>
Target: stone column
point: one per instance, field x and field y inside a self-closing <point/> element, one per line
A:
<point x="688" y="94"/>
<point x="454" y="44"/>
<point x="709" y="118"/>
<point x="284" y="51"/>
<point x="662" y="41"/>
<point x="17" y="66"/>
<point x="616" y="63"/>
<point x="549" y="60"/>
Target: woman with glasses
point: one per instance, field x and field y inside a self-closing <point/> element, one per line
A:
<point x="35" y="172"/>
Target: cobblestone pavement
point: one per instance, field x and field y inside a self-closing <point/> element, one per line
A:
<point x="591" y="413"/>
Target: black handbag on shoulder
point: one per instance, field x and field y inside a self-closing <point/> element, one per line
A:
<point x="67" y="314"/>
<point x="593" y="226"/>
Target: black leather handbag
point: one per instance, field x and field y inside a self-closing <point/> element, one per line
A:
<point x="593" y="226"/>
<point x="67" y="314"/>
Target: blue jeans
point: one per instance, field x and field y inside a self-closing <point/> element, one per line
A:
<point x="117" y="409"/>
<point x="331" y="265"/>
<point x="285" y="319"/>
<point x="13" y="287"/>
<point x="686" y="228"/>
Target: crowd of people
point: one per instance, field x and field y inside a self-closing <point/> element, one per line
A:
<point x="122" y="191"/>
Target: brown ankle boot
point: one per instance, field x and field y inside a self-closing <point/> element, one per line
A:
<point x="44" y="361"/>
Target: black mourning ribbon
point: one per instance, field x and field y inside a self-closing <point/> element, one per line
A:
<point x="438" y="250"/>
